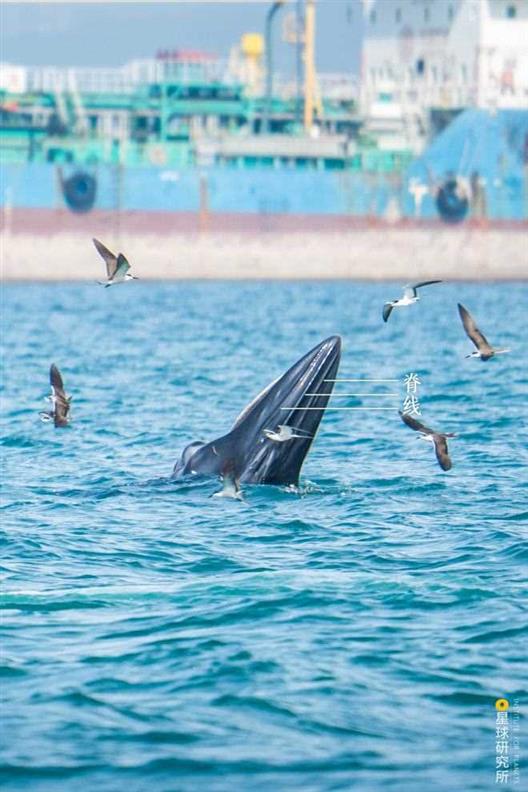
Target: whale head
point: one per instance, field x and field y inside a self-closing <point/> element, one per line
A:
<point x="298" y="399"/>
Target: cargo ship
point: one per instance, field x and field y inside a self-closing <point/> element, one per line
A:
<point x="187" y="140"/>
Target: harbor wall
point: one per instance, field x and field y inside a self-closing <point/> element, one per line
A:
<point x="390" y="253"/>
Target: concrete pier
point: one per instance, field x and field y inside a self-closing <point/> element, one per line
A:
<point x="377" y="254"/>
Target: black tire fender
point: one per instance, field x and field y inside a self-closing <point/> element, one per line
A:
<point x="452" y="201"/>
<point x="79" y="191"/>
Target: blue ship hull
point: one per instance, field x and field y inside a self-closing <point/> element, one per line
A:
<point x="478" y="150"/>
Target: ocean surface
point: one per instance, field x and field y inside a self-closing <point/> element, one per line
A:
<point x="353" y="634"/>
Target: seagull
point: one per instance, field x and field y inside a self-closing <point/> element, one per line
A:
<point x="230" y="483"/>
<point x="438" y="438"/>
<point x="60" y="414"/>
<point x="409" y="297"/>
<point x="116" y="266"/>
<point x="484" y="350"/>
<point x="285" y="433"/>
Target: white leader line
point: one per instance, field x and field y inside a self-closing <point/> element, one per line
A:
<point x="363" y="380"/>
<point x="339" y="408"/>
<point x="381" y="395"/>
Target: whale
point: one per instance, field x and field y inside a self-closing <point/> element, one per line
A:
<point x="297" y="399"/>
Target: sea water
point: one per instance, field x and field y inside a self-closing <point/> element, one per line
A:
<point x="351" y="634"/>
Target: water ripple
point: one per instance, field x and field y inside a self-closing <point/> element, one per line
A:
<point x="347" y="634"/>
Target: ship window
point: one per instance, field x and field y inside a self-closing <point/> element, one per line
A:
<point x="334" y="164"/>
<point x="511" y="12"/>
<point x="420" y="66"/>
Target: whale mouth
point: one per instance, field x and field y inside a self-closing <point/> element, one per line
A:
<point x="297" y="399"/>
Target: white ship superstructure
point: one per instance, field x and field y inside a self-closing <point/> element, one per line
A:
<point x="422" y="55"/>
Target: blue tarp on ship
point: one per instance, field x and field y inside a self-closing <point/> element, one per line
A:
<point x="479" y="147"/>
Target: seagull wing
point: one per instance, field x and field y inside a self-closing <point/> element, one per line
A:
<point x="61" y="414"/>
<point x="387" y="310"/>
<point x="298" y="432"/>
<point x="425" y="283"/>
<point x="56" y="382"/>
<point x="122" y="267"/>
<point x="414" y="424"/>
<point x="110" y="260"/>
<point x="472" y="330"/>
<point x="441" y="451"/>
<point x="61" y="402"/>
<point x="410" y="289"/>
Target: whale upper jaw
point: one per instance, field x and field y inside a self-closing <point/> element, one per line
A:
<point x="255" y="458"/>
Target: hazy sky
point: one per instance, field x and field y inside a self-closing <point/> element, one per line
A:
<point x="109" y="34"/>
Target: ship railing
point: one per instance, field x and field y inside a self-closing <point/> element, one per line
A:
<point x="417" y="95"/>
<point x="86" y="80"/>
<point x="414" y="95"/>
<point x="333" y="86"/>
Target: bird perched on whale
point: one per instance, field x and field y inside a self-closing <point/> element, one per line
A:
<point x="484" y="350"/>
<point x="60" y="414"/>
<point x="117" y="267"/>
<point x="284" y="433"/>
<point x="437" y="438"/>
<point x="410" y="296"/>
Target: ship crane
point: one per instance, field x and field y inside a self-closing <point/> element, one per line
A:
<point x="302" y="35"/>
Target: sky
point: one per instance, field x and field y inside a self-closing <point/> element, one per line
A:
<point x="112" y="33"/>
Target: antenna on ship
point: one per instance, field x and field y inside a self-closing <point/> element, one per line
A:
<point x="309" y="65"/>
<point x="298" y="61"/>
<point x="269" y="64"/>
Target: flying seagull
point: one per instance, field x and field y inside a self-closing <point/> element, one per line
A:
<point x="230" y="483"/>
<point x="484" y="350"/>
<point x="116" y="266"/>
<point x="284" y="433"/>
<point x="60" y="414"/>
<point x="409" y="297"/>
<point x="438" y="438"/>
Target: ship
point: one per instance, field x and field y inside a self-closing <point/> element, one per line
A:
<point x="188" y="140"/>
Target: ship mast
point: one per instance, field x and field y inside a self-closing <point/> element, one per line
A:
<point x="309" y="65"/>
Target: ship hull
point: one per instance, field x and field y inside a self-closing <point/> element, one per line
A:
<point x="34" y="198"/>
